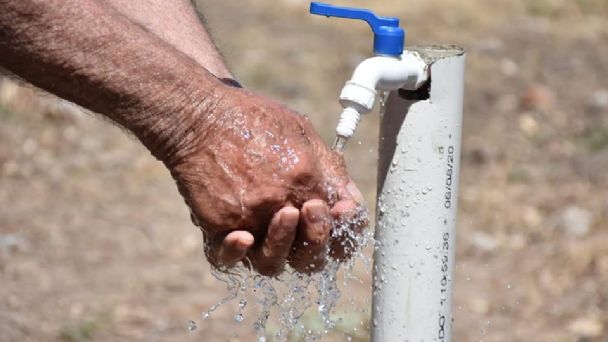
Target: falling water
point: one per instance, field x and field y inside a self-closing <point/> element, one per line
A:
<point x="292" y="293"/>
<point x="340" y="143"/>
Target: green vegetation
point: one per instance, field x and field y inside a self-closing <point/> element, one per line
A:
<point x="82" y="331"/>
<point x="592" y="6"/>
<point x="518" y="174"/>
<point x="596" y="139"/>
<point x="553" y="8"/>
<point x="541" y="8"/>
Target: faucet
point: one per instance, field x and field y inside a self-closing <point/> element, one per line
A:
<point x="390" y="69"/>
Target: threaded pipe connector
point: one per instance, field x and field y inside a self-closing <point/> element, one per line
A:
<point x="349" y="119"/>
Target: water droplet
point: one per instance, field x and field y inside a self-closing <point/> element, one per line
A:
<point x="239" y="317"/>
<point x="191" y="326"/>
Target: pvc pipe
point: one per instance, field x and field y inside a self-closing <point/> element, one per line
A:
<point x="382" y="73"/>
<point x="417" y="202"/>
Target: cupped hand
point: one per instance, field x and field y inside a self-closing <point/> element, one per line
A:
<point x="264" y="187"/>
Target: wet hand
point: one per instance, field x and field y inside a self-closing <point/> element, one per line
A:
<point x="265" y="189"/>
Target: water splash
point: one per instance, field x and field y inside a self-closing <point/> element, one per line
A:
<point x="236" y="282"/>
<point x="288" y="297"/>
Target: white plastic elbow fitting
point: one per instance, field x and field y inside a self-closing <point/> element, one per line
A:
<point x="377" y="73"/>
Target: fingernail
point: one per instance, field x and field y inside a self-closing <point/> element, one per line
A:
<point x="289" y="219"/>
<point x="354" y="192"/>
<point x="243" y="243"/>
<point x="316" y="213"/>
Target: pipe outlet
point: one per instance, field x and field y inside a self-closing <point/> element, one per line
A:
<point x="382" y="73"/>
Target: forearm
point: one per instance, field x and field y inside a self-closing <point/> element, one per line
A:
<point x="88" y="53"/>
<point x="177" y="23"/>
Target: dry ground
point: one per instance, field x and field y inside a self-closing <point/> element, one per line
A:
<point x="96" y="245"/>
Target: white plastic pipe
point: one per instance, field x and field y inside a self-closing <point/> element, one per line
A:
<point x="416" y="210"/>
<point x="381" y="73"/>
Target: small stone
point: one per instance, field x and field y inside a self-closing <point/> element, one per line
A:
<point x="586" y="327"/>
<point x="13" y="243"/>
<point x="528" y="124"/>
<point x="508" y="67"/>
<point x="532" y="216"/>
<point x="599" y="99"/>
<point x="538" y="97"/>
<point x="575" y="221"/>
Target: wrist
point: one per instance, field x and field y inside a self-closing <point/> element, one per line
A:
<point x="174" y="129"/>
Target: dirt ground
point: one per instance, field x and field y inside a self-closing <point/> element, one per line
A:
<point x="96" y="244"/>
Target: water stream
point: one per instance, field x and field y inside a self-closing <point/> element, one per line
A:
<point x="286" y="298"/>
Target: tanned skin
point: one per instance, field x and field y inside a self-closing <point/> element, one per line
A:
<point x="258" y="179"/>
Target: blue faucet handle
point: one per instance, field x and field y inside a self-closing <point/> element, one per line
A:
<point x="389" y="38"/>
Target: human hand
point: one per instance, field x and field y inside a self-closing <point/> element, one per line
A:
<point x="264" y="188"/>
<point x="258" y="179"/>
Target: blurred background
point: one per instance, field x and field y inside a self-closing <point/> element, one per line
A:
<point x="96" y="244"/>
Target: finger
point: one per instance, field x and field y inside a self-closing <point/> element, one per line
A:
<point x="349" y="220"/>
<point x="269" y="258"/>
<point x="334" y="169"/>
<point x="351" y="192"/>
<point x="310" y="248"/>
<point x="234" y="248"/>
<point x="351" y="214"/>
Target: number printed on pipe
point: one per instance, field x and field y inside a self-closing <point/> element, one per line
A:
<point x="445" y="246"/>
<point x="448" y="179"/>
